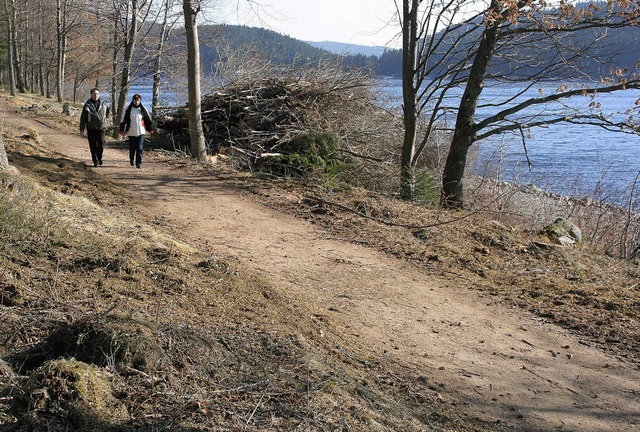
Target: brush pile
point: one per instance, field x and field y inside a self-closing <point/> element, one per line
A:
<point x="262" y="116"/>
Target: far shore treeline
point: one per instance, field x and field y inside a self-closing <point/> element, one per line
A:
<point x="218" y="40"/>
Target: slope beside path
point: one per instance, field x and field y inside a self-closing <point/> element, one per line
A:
<point x="503" y="364"/>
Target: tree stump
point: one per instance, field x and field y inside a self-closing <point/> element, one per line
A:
<point x="4" y="161"/>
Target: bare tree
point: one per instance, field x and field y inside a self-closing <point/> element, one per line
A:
<point x="11" y="71"/>
<point x="434" y="53"/>
<point x="125" y="76"/>
<point x="43" y="42"/>
<point x="15" y="68"/>
<point x="139" y="18"/>
<point x="196" y="134"/>
<point x="65" y="21"/>
<point x="526" y="23"/>
<point x="410" y="88"/>
<point x="168" y="22"/>
<point x="117" y="29"/>
<point x="42" y="34"/>
<point x="460" y="44"/>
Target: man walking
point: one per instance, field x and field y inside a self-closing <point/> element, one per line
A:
<point x="94" y="117"/>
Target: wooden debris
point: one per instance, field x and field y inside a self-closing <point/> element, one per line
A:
<point x="256" y="118"/>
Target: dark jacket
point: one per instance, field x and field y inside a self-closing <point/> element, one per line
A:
<point x="92" y="118"/>
<point x="126" y="122"/>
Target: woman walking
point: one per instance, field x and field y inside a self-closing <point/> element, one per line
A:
<point x="135" y="124"/>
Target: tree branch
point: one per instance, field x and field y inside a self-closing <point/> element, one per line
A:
<point x="502" y="115"/>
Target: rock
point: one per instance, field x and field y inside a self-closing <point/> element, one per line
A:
<point x="6" y="370"/>
<point x="531" y="189"/>
<point x="66" y="109"/>
<point x="210" y="160"/>
<point x="564" y="232"/>
<point x="545" y="245"/>
<point x="566" y="241"/>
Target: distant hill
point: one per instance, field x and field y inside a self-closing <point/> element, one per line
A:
<point x="264" y="43"/>
<point x="284" y="49"/>
<point x="340" y="48"/>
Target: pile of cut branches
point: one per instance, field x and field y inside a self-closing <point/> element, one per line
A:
<point x="261" y="116"/>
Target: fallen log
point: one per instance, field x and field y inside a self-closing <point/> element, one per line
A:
<point x="174" y="123"/>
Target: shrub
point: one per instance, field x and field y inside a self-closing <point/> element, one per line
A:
<point x="310" y="153"/>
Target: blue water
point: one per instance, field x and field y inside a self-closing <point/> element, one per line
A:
<point x="167" y="97"/>
<point x="569" y="159"/>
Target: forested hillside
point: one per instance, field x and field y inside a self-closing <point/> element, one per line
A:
<point x="590" y="48"/>
<point x="269" y="45"/>
<point x="218" y="40"/>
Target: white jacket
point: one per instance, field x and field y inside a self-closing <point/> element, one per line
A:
<point x="136" y="127"/>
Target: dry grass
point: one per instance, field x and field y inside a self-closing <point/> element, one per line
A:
<point x="610" y="229"/>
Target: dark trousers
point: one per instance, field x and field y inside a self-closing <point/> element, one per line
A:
<point x="136" y="145"/>
<point x="96" y="145"/>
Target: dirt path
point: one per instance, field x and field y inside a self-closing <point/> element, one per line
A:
<point x="505" y="365"/>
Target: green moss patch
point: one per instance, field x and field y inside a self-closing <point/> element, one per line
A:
<point x="72" y="394"/>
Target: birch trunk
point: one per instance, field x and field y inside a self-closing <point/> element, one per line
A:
<point x="196" y="134"/>
<point x="126" y="62"/>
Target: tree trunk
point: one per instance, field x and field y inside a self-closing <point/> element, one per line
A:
<point x="61" y="41"/>
<point x="156" y="65"/>
<point x="27" y="51"/>
<point x="11" y="62"/>
<point x="76" y="86"/>
<point x="12" y="19"/>
<point x="4" y="161"/>
<point x="464" y="134"/>
<point x="48" y="83"/>
<point x="196" y="134"/>
<point x="114" y="68"/>
<point x="126" y="62"/>
<point x="41" y="63"/>
<point x="409" y="94"/>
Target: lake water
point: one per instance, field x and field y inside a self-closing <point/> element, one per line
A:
<point x="569" y="159"/>
<point x="167" y="97"/>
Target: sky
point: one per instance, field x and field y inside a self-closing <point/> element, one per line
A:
<point x="361" y="22"/>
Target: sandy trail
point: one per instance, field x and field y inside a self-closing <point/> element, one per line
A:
<point x="504" y="364"/>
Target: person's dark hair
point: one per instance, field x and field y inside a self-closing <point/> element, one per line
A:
<point x="95" y="88"/>
<point x="137" y="96"/>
